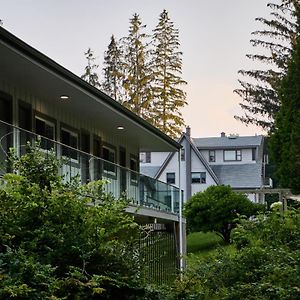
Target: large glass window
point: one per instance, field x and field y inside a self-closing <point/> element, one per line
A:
<point x="198" y="177"/>
<point x="170" y="178"/>
<point x="45" y="128"/>
<point x="69" y="138"/>
<point x="109" y="154"/>
<point x="232" y="155"/>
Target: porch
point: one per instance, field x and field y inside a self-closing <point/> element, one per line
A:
<point x="158" y="199"/>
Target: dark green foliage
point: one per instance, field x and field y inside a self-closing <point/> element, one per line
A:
<point x="265" y="264"/>
<point x="113" y="71"/>
<point x="216" y="209"/>
<point x="90" y="74"/>
<point x="285" y="138"/>
<point x="259" y="89"/>
<point x="64" y="241"/>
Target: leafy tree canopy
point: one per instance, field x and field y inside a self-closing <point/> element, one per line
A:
<point x="259" y="87"/>
<point x="285" y="138"/>
<point x="217" y="209"/>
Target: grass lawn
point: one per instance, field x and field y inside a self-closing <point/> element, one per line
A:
<point x="201" y="242"/>
<point x="200" y="245"/>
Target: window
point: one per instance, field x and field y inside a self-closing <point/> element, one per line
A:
<point x="232" y="155"/>
<point x="45" y="128"/>
<point x="69" y="138"/>
<point x="182" y="154"/>
<point x="5" y="107"/>
<point x="25" y="122"/>
<point x="134" y="168"/>
<point x="109" y="154"/>
<point x="253" y="154"/>
<point x="199" y="177"/>
<point x="212" y="155"/>
<point x="171" y="178"/>
<point x="145" y="157"/>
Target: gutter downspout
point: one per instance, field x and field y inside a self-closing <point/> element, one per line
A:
<point x="180" y="217"/>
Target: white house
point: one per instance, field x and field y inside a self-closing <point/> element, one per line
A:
<point x="232" y="160"/>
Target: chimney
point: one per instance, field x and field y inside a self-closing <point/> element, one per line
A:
<point x="188" y="131"/>
<point x="223" y="134"/>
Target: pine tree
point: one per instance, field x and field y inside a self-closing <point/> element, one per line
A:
<point x="259" y="94"/>
<point x="90" y="74"/>
<point x="1" y="22"/>
<point x="285" y="139"/>
<point x="167" y="66"/>
<point x="138" y="73"/>
<point x="113" y="71"/>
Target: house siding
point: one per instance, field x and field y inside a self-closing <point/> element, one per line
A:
<point x="52" y="109"/>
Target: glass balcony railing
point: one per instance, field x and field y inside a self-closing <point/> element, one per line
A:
<point x="137" y="188"/>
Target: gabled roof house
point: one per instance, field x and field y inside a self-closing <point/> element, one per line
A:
<point x="238" y="161"/>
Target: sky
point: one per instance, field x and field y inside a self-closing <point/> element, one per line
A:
<point x="214" y="37"/>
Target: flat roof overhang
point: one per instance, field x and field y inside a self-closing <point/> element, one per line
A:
<point x="33" y="72"/>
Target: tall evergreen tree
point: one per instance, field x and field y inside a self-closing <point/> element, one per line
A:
<point x="138" y="73"/>
<point x="167" y="66"/>
<point x="90" y="74"/>
<point x="259" y="89"/>
<point x="285" y="139"/>
<point x="1" y="22"/>
<point x="113" y="71"/>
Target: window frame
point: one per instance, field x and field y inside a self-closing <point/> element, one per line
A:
<point x="134" y="173"/>
<point x="212" y="156"/>
<point x="253" y="154"/>
<point x="73" y="133"/>
<point x="145" y="157"/>
<point x="202" y="179"/>
<point x="182" y="154"/>
<point x="111" y="148"/>
<point x="237" y="154"/>
<point x="173" y="179"/>
<point x="49" y="121"/>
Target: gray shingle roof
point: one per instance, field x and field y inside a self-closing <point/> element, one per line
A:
<point x="227" y="142"/>
<point x="239" y="175"/>
<point x="150" y="171"/>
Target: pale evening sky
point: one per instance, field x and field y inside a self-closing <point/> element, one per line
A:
<point x="214" y="36"/>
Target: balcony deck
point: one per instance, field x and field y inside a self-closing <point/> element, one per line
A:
<point x="147" y="196"/>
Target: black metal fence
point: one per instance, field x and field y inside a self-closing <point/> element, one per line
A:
<point x="159" y="253"/>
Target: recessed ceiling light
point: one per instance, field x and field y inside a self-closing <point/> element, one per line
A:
<point x="120" y="127"/>
<point x="64" y="97"/>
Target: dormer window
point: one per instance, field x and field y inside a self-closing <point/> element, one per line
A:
<point x="232" y="155"/>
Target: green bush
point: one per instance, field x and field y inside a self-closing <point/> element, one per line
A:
<point x="265" y="264"/>
<point x="217" y="209"/>
<point x="64" y="241"/>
